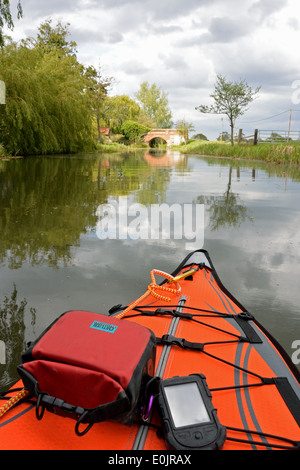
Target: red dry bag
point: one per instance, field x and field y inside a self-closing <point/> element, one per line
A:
<point x="90" y="367"/>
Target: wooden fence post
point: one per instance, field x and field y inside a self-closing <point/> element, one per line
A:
<point x="240" y="136"/>
<point x="255" y="136"/>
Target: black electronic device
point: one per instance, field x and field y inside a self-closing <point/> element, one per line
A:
<point x="189" y="417"/>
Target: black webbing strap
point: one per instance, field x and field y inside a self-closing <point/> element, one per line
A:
<point x="289" y="396"/>
<point x="170" y="340"/>
<point x="243" y="320"/>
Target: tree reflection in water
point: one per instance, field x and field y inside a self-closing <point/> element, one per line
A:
<point x="225" y="209"/>
<point x="12" y="333"/>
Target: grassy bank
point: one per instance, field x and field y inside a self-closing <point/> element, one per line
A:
<point x="117" y="147"/>
<point x="269" y="152"/>
<point x="110" y="148"/>
<point x="285" y="153"/>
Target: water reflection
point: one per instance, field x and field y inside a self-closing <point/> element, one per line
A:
<point x="46" y="204"/>
<point x="225" y="209"/>
<point x="165" y="158"/>
<point x="12" y="335"/>
<point x="43" y="209"/>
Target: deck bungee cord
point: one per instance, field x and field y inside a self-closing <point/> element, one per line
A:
<point x="153" y="287"/>
<point x="21" y="395"/>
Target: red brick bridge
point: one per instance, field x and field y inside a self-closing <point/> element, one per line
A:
<point x="170" y="136"/>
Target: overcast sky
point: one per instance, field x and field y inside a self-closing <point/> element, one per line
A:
<point x="181" y="45"/>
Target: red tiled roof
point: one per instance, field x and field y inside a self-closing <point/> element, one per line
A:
<point x="105" y="130"/>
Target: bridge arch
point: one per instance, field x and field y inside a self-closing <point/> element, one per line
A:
<point x="156" y="142"/>
<point x="170" y="136"/>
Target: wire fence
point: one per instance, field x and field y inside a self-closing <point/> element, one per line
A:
<point x="267" y="136"/>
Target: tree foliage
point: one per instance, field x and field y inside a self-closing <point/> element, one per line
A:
<point x="96" y="92"/>
<point x="54" y="104"/>
<point x="154" y="103"/>
<point x="184" y="127"/>
<point x="49" y="38"/>
<point x="231" y="99"/>
<point x="224" y="137"/>
<point x="46" y="109"/>
<point x="133" y="130"/>
<point x="6" y="18"/>
<point x="118" y="109"/>
<point x="200" y="136"/>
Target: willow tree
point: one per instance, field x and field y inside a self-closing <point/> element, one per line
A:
<point x="46" y="109"/>
<point x="231" y="99"/>
<point x="6" y="18"/>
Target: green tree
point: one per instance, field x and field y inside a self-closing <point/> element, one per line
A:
<point x="6" y="18"/>
<point x="275" y="137"/>
<point x="46" y="109"/>
<point x="224" y="137"/>
<point x="118" y="109"/>
<point x="97" y="88"/>
<point x="154" y="103"/>
<point x="231" y="99"/>
<point x="55" y="38"/>
<point x="133" y="130"/>
<point x="184" y="127"/>
<point x="200" y="136"/>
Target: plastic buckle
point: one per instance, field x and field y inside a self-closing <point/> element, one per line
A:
<point x="170" y="340"/>
<point x="114" y="309"/>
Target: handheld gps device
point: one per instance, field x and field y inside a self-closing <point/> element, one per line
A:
<point x="190" y="421"/>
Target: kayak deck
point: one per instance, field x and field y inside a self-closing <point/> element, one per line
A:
<point x="201" y="328"/>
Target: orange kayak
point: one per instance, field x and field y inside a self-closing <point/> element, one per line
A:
<point x="200" y="329"/>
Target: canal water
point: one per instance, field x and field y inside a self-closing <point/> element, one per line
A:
<point x="65" y="245"/>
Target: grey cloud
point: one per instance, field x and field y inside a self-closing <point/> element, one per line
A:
<point x="294" y="23"/>
<point x="226" y="29"/>
<point x="166" y="9"/>
<point x="111" y="4"/>
<point x="159" y="9"/>
<point x="114" y="37"/>
<point x="162" y="29"/>
<point x="187" y="79"/>
<point x="190" y="41"/>
<point x="33" y="9"/>
<point x="134" y="68"/>
<point x="263" y="70"/>
<point x="84" y="36"/>
<point x="220" y="30"/>
<point x="173" y="61"/>
<point x="264" y="8"/>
